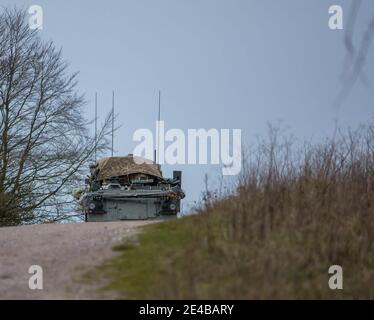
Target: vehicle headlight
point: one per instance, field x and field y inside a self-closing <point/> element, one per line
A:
<point x="172" y="206"/>
<point x="91" y="206"/>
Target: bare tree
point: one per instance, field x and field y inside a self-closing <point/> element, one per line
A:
<point x="44" y="138"/>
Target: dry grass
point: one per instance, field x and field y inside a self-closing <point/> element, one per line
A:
<point x="294" y="213"/>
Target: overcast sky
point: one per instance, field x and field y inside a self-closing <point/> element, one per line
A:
<point x="219" y="64"/>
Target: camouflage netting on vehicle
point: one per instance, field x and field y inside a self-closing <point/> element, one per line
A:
<point x="122" y="166"/>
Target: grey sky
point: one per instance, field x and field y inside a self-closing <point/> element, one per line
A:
<point x="219" y="64"/>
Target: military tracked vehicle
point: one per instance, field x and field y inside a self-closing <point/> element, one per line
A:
<point x="129" y="188"/>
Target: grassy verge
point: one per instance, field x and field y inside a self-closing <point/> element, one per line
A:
<point x="193" y="258"/>
<point x="150" y="265"/>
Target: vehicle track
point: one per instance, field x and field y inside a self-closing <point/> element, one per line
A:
<point x="64" y="251"/>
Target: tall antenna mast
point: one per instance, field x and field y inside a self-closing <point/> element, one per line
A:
<point x="112" y="123"/>
<point x="158" y="127"/>
<point x="95" y="126"/>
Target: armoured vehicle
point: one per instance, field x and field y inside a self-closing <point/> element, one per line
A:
<point x="130" y="187"/>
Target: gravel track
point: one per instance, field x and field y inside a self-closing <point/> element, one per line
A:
<point x="64" y="251"/>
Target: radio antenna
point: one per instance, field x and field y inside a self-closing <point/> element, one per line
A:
<point x="158" y="127"/>
<point x="95" y="127"/>
<point x="112" y="123"/>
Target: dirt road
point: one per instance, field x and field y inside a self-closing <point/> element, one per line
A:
<point x="64" y="251"/>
